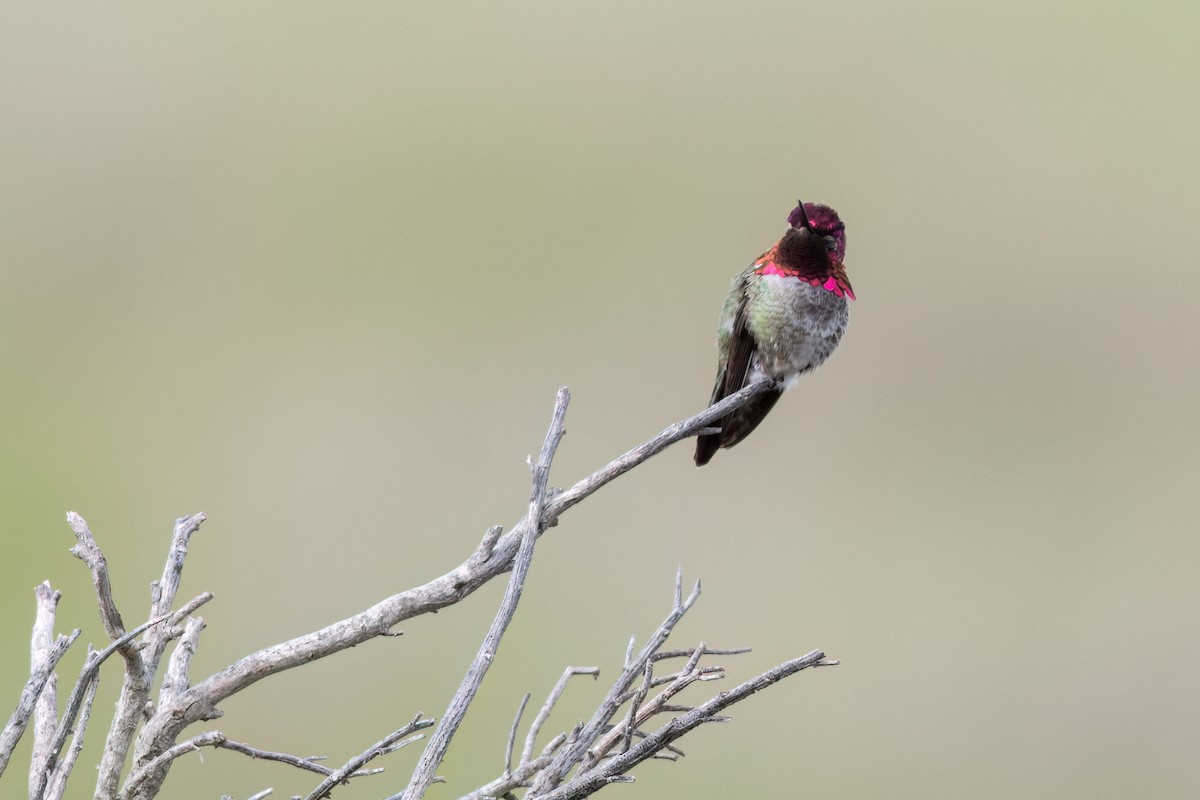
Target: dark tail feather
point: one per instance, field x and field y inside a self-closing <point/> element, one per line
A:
<point x="736" y="426"/>
<point x="706" y="446"/>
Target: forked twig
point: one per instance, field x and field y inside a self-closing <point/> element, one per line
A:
<point x="38" y="677"/>
<point x="89" y="672"/>
<point x="600" y="752"/>
<point x="142" y="666"/>
<point x="435" y="750"/>
<point x="574" y="752"/>
<point x="57" y="784"/>
<point x="220" y="740"/>
<point x="613" y="769"/>
<point x="89" y="553"/>
<point x="544" y="713"/>
<point x="387" y="744"/>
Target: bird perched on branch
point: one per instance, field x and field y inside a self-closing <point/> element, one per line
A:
<point x="784" y="316"/>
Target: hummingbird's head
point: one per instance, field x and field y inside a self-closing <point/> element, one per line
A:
<point x="823" y="222"/>
<point x="811" y="250"/>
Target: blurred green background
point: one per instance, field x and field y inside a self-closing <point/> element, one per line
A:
<point x="317" y="270"/>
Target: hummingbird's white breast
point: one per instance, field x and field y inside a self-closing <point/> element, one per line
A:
<point x="796" y="326"/>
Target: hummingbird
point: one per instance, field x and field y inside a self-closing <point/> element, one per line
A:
<point x="784" y="316"/>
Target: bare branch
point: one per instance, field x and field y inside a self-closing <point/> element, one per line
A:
<point x="201" y="700"/>
<point x="387" y="744"/>
<point x="189" y="608"/>
<point x="405" y="743"/>
<point x="521" y="775"/>
<point x="162" y="592"/>
<point x="38" y="677"/>
<point x="574" y="752"/>
<point x="638" y="698"/>
<point x="544" y="713"/>
<point x="140" y="671"/>
<point x="710" y="651"/>
<point x="606" y="771"/>
<point x="175" y="679"/>
<point x="584" y="751"/>
<point x="58" y="780"/>
<point x="669" y="752"/>
<point x="639" y="714"/>
<point x="220" y="740"/>
<point x="90" y="668"/>
<point x="667" y="437"/>
<point x="90" y="671"/>
<point x="435" y="750"/>
<point x="46" y="707"/>
<point x="512" y="735"/>
<point x="89" y="553"/>
<point x="302" y="762"/>
<point x="209" y="739"/>
<point x="701" y="674"/>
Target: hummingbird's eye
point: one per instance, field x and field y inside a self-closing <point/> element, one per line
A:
<point x="830" y="242"/>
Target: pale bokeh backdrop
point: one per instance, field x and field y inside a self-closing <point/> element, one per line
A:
<point x="317" y="270"/>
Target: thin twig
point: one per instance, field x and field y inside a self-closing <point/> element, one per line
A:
<point x="139" y="673"/>
<point x="574" y="752"/>
<point x="38" y="677"/>
<point x="89" y="553"/>
<point x="405" y="742"/>
<point x="512" y="735"/>
<point x="639" y="714"/>
<point x="711" y="651"/>
<point x="91" y="667"/>
<point x="163" y="591"/>
<point x="220" y="740"/>
<point x="544" y="713"/>
<point x="255" y="796"/>
<point x="189" y="608"/>
<point x="387" y="744"/>
<point x="583" y="785"/>
<point x="435" y="750"/>
<point x="308" y="763"/>
<point x="702" y="674"/>
<point x="520" y="776"/>
<point x="208" y="739"/>
<point x="175" y="679"/>
<point x="634" y="705"/>
<point x="667" y="437"/>
<point x="58" y="780"/>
